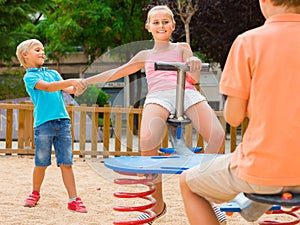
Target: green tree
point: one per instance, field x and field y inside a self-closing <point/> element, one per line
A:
<point x="66" y="26"/>
<point x="91" y="25"/>
<point x="14" y="14"/>
<point x="217" y="23"/>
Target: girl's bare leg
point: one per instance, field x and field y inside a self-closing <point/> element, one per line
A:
<point x="207" y="124"/>
<point x="152" y="131"/>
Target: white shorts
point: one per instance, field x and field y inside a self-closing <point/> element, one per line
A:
<point x="167" y="99"/>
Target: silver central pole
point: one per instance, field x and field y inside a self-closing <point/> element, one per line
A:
<point x="180" y="89"/>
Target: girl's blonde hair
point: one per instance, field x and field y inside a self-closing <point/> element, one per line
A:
<point x="23" y="47"/>
<point x="159" y="8"/>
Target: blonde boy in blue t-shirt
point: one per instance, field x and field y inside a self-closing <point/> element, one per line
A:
<point x="51" y="121"/>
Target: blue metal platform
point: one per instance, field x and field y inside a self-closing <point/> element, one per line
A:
<point x="157" y="164"/>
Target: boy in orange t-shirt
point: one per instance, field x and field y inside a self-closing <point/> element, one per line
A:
<point x="261" y="78"/>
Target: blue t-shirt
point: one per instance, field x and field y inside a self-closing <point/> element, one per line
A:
<point x="47" y="105"/>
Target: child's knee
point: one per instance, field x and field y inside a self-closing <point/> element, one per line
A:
<point x="149" y="142"/>
<point x="182" y="181"/>
<point x="65" y="167"/>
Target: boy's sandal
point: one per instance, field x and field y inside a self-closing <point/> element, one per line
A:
<point x="144" y="216"/>
<point x="77" y="206"/>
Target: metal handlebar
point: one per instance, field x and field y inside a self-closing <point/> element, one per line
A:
<point x="174" y="66"/>
<point x="181" y="69"/>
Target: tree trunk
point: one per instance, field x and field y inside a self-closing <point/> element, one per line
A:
<point x="187" y="33"/>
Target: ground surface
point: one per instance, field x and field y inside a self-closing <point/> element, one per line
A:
<point x="91" y="175"/>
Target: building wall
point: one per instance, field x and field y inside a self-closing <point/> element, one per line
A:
<point x="70" y="66"/>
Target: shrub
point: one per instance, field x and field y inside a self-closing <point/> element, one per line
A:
<point x="12" y="85"/>
<point x="93" y="95"/>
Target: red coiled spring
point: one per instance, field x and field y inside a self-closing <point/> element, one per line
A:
<point x="148" y="181"/>
<point x="291" y="212"/>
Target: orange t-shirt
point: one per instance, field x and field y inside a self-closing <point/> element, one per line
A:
<point x="263" y="67"/>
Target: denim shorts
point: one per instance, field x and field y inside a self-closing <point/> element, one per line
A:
<point x="57" y="133"/>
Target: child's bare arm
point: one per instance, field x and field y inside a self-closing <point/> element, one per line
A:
<point x="235" y="110"/>
<point x="69" y="90"/>
<point x="57" y="85"/>
<point x="134" y="65"/>
<point x="194" y="62"/>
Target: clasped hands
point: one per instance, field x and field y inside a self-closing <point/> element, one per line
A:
<point x="79" y="87"/>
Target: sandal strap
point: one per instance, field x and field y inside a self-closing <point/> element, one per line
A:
<point x="163" y="212"/>
<point x="33" y="197"/>
<point x="79" y="203"/>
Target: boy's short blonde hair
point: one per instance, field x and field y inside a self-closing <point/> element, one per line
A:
<point x="159" y="8"/>
<point x="23" y="47"/>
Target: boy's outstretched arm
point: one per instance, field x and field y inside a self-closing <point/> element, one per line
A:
<point x="59" y="85"/>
